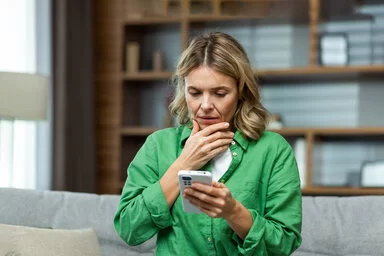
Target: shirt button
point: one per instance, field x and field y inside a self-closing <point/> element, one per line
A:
<point x="233" y="142"/>
<point x="234" y="154"/>
<point x="209" y="239"/>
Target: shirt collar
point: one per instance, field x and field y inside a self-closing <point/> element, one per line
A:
<point x="238" y="138"/>
<point x="241" y="140"/>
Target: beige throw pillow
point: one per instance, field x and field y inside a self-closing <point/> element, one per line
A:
<point x="28" y="241"/>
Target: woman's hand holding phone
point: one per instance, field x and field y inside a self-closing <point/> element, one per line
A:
<point x="215" y="201"/>
<point x="186" y="179"/>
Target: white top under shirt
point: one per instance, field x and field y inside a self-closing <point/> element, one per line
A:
<point x="220" y="164"/>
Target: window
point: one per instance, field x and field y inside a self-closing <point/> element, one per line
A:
<point x="19" y="140"/>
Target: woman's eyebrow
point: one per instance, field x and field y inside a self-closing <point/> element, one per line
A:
<point x="214" y="88"/>
<point x="221" y="87"/>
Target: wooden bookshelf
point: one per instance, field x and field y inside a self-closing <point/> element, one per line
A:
<point x="341" y="191"/>
<point x="137" y="131"/>
<point x="331" y="131"/>
<point x="151" y="21"/>
<point x="319" y="70"/>
<point x="313" y="72"/>
<point x="119" y="130"/>
<point x="211" y="18"/>
<point x="300" y="131"/>
<point x="147" y="76"/>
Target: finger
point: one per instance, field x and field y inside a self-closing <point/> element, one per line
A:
<point x="218" y="185"/>
<point x="213" y="213"/>
<point x="209" y="154"/>
<point x="213" y="149"/>
<point x="203" y="206"/>
<point x="213" y="209"/>
<point x="201" y="190"/>
<point x="216" y="144"/>
<point x="202" y="200"/>
<point x="214" y="128"/>
<point x="220" y="135"/>
<point x="195" y="128"/>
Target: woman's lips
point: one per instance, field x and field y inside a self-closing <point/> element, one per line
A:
<point x="208" y="120"/>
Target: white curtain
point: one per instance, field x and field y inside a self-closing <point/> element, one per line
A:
<point x="18" y="144"/>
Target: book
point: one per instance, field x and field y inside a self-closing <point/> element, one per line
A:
<point x="132" y="52"/>
<point x="299" y="151"/>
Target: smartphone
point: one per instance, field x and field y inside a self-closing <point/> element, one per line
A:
<point x="186" y="178"/>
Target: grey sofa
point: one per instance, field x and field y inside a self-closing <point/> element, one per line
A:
<point x="331" y="225"/>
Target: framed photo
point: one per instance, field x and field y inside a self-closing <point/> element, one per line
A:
<point x="333" y="49"/>
<point x="372" y="174"/>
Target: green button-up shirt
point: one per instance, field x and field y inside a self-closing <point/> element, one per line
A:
<point x="263" y="176"/>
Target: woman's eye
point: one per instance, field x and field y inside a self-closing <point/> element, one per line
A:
<point x="194" y="93"/>
<point x="221" y="94"/>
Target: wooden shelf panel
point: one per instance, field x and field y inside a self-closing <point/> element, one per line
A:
<point x="367" y="131"/>
<point x="151" y="21"/>
<point x="137" y="131"/>
<point x="147" y="76"/>
<point x="331" y="191"/>
<point x="342" y="191"/>
<point x="319" y="70"/>
<point x="253" y="1"/>
<point x="336" y="131"/>
<point x="291" y="131"/>
<point x="330" y="131"/>
<point x="271" y="73"/>
<point x="211" y="18"/>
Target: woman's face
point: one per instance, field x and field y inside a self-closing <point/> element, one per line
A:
<point x="211" y="96"/>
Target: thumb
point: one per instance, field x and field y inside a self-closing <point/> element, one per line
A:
<point x="195" y="128"/>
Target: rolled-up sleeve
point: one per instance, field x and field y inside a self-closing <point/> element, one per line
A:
<point x="143" y="209"/>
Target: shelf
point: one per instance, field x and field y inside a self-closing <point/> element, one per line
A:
<point x="137" y="131"/>
<point x="330" y="131"/>
<point x="319" y="72"/>
<point x="291" y="131"/>
<point x="276" y="73"/>
<point x="294" y="131"/>
<point x="147" y="76"/>
<point x="253" y="1"/>
<point x="341" y="191"/>
<point x="367" y="131"/>
<point x="332" y="191"/>
<point x="211" y="18"/>
<point x="151" y="21"/>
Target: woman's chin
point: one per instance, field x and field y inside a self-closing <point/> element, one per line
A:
<point x="207" y="123"/>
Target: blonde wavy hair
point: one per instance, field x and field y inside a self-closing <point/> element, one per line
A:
<point x="224" y="54"/>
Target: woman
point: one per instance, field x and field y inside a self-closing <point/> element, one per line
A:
<point x="254" y="204"/>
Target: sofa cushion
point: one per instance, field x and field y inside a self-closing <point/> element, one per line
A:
<point x="350" y="226"/>
<point x="69" y="210"/>
<point x="21" y="240"/>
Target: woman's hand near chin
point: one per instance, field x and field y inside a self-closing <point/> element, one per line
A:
<point x="205" y="144"/>
<point x="199" y="148"/>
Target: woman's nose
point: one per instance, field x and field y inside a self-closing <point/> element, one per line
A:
<point x="206" y="103"/>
